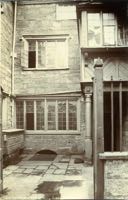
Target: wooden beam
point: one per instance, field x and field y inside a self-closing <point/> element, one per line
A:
<point x="1" y="144"/>
<point x="120" y="113"/>
<point x="98" y="131"/>
<point x="112" y="118"/>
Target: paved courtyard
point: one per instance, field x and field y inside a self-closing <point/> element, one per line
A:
<point x="61" y="178"/>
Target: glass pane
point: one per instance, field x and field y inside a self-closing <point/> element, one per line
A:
<point x="62" y="115"/>
<point x="32" y="54"/>
<point x="41" y="54"/>
<point x="94" y="31"/>
<point x="72" y="115"/>
<point x="29" y="115"/>
<point x="61" y="51"/>
<point x="51" y="115"/>
<point x="50" y="54"/>
<point x="20" y="114"/>
<point x="108" y="19"/>
<point x="109" y="35"/>
<point x="40" y="115"/>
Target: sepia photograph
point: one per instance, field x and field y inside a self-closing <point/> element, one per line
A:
<point x="63" y="99"/>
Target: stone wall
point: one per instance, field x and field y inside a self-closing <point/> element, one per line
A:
<point x="41" y="20"/>
<point x="13" y="140"/>
<point x="116" y="175"/>
<point x="6" y="65"/>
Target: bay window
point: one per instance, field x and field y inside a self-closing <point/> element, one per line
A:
<point x="48" y="114"/>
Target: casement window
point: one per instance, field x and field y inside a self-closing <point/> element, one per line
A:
<point x="103" y="29"/>
<point x="65" y="12"/>
<point x="44" y="53"/>
<point x="48" y="114"/>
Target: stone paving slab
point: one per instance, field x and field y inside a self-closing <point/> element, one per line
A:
<point x="42" y="167"/>
<point x="60" y="171"/>
<point x="27" y="166"/>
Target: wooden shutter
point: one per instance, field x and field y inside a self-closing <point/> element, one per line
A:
<point x="24" y="53"/>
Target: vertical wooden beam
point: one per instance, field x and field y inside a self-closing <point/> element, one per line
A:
<point x="84" y="29"/>
<point x="112" y="118"/>
<point x="98" y="130"/>
<point x="1" y="144"/>
<point x="120" y="113"/>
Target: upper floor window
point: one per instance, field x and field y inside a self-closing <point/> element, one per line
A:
<point x="45" y="53"/>
<point x="102" y="28"/>
<point x="65" y="12"/>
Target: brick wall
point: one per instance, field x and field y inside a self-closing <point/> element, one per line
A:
<point x="41" y="20"/>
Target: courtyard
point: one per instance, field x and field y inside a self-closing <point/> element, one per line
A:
<point x="41" y="177"/>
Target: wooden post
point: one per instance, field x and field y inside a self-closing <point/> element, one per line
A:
<point x="1" y="154"/>
<point x="98" y="130"/>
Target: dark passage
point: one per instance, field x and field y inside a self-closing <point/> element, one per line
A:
<point x="44" y="155"/>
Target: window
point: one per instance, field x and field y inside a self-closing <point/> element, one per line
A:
<point x="104" y="29"/>
<point x="45" y="53"/>
<point x="47" y="114"/>
<point x="20" y="114"/>
<point x="65" y="12"/>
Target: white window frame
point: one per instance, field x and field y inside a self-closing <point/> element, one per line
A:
<point x="56" y="38"/>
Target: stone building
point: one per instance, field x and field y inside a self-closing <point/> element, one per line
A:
<point x="49" y="49"/>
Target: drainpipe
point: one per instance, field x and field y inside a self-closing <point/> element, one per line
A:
<point x="13" y="65"/>
<point x="13" y="46"/>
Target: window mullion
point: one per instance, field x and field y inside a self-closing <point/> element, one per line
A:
<point x="25" y="115"/>
<point x="46" y="53"/>
<point x="102" y="29"/>
<point x="56" y="113"/>
<point x="36" y="54"/>
<point x="116" y="31"/>
<point x="67" y="117"/>
<point x="35" y="116"/>
<point x="45" y="115"/>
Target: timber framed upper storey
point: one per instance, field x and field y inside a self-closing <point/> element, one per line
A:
<point x="102" y="25"/>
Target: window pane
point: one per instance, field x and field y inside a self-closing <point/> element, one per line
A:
<point x="94" y="32"/>
<point x="41" y="54"/>
<point x="61" y="51"/>
<point x="29" y="115"/>
<point x="32" y="54"/>
<point x="51" y="54"/>
<point x="40" y="115"/>
<point x="72" y="115"/>
<point x="109" y="35"/>
<point x="51" y="115"/>
<point x="19" y="114"/>
<point x="62" y="115"/>
<point x="108" y="19"/>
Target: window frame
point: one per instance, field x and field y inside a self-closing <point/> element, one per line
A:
<point x="84" y="29"/>
<point x="25" y="40"/>
<point x="46" y="130"/>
